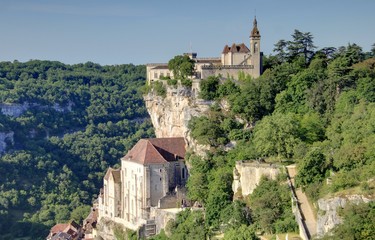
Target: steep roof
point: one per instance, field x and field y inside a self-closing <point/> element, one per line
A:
<point x="156" y="151"/>
<point x="115" y="173"/>
<point x="236" y="48"/>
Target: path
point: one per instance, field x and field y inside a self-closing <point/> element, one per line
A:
<point x="306" y="209"/>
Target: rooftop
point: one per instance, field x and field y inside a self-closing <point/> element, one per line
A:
<point x="157" y="151"/>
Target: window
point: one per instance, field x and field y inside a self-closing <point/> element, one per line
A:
<point x="168" y="74"/>
<point x="155" y="75"/>
<point x="161" y="75"/>
<point x="183" y="173"/>
<point x="255" y="47"/>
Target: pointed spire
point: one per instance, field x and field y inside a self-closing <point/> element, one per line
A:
<point x="255" y="23"/>
<point x="255" y="31"/>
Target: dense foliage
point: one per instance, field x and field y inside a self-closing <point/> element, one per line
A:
<point x="311" y="107"/>
<point x="182" y="66"/>
<point x="271" y="207"/>
<point x="358" y="223"/>
<point x="54" y="169"/>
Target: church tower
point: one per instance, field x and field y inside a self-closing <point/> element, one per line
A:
<point x="256" y="55"/>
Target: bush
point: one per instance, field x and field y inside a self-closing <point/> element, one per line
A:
<point x="172" y="82"/>
<point x="159" y="88"/>
<point x="186" y="82"/>
<point x="209" y="88"/>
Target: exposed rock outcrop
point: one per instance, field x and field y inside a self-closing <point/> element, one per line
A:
<point x="328" y="217"/>
<point x="4" y="138"/>
<point x="16" y="109"/>
<point x="247" y="176"/>
<point x="13" y="109"/>
<point x="171" y="114"/>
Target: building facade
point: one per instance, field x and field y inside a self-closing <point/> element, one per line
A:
<point x="233" y="60"/>
<point x="149" y="172"/>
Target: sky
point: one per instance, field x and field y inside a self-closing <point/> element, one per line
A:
<point x="138" y="31"/>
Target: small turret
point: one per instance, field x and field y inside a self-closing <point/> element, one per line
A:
<point x="256" y="55"/>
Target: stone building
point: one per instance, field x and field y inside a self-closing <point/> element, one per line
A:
<point x="149" y="172"/>
<point x="233" y="60"/>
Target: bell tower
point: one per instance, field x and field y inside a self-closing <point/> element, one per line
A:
<point x="256" y="56"/>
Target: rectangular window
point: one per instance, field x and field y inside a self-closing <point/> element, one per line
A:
<point x="168" y="74"/>
<point x="155" y="75"/>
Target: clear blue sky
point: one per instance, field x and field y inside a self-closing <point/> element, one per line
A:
<point x="140" y="31"/>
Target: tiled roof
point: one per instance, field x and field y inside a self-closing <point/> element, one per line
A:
<point x="115" y="173"/>
<point x="156" y="151"/>
<point x="59" y="227"/>
<point x="236" y="48"/>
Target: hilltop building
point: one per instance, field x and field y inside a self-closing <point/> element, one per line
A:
<point x="233" y="60"/>
<point x="149" y="173"/>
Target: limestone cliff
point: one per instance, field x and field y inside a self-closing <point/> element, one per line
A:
<point x="328" y="217"/>
<point x="171" y="114"/>
<point x="4" y="138"/>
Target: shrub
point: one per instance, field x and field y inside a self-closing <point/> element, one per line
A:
<point x="186" y="82"/>
<point x="159" y="88"/>
<point x="172" y="82"/>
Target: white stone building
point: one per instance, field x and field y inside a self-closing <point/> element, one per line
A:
<point x="151" y="170"/>
<point x="234" y="59"/>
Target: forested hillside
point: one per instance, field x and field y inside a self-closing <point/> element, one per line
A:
<point x="315" y="108"/>
<point x="80" y="119"/>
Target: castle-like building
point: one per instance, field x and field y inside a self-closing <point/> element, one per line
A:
<point x="149" y="172"/>
<point x="234" y="59"/>
<point x="154" y="168"/>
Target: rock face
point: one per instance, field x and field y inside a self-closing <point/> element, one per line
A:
<point x="328" y="217"/>
<point x="13" y="109"/>
<point x="247" y="176"/>
<point x="16" y="109"/>
<point x="170" y="115"/>
<point x="4" y="137"/>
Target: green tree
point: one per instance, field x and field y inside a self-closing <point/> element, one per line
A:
<point x="209" y="88"/>
<point x="358" y="222"/>
<point x="188" y="225"/>
<point x="277" y="135"/>
<point x="181" y="66"/>
<point x="312" y="168"/>
<point x="241" y="233"/>
<point x="271" y="208"/>
<point x="301" y="45"/>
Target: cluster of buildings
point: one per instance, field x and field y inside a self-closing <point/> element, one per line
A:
<point x="153" y="173"/>
<point x="234" y="59"/>
<point x="66" y="231"/>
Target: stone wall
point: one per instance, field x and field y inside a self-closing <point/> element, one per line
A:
<point x="247" y="175"/>
<point x="328" y="217"/>
<point x="225" y="72"/>
<point x="162" y="216"/>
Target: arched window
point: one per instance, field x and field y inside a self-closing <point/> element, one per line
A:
<point x="255" y="47"/>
